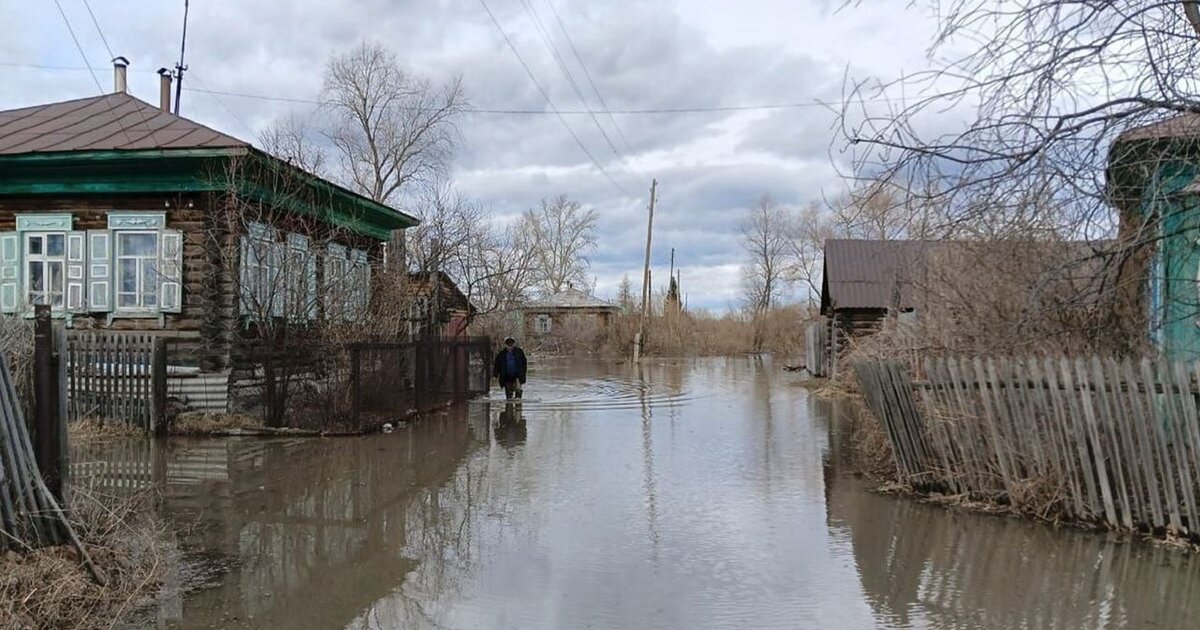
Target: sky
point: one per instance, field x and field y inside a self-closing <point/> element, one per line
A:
<point x="640" y="54"/>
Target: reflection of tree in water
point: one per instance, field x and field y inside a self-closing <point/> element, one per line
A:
<point x="450" y="528"/>
<point x="923" y="565"/>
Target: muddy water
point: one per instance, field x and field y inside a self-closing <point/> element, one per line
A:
<point x="686" y="494"/>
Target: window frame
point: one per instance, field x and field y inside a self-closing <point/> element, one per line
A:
<point x="45" y="259"/>
<point x="118" y="280"/>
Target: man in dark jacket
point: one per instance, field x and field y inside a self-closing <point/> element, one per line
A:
<point x="509" y="368"/>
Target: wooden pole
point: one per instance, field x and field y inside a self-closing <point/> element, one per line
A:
<point x="47" y="449"/>
<point x="641" y="335"/>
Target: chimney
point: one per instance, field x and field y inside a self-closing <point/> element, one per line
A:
<point x="164" y="90"/>
<point x="120" y="85"/>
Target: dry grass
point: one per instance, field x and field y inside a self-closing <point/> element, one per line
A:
<point x="92" y="429"/>
<point x="48" y="588"/>
<point x="872" y="453"/>
<point x="201" y="423"/>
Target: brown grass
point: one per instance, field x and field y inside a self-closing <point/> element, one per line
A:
<point x="872" y="453"/>
<point x="92" y="429"/>
<point x="48" y="588"/>
<point x="201" y="423"/>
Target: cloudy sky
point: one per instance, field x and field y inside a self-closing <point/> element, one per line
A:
<point x="641" y="54"/>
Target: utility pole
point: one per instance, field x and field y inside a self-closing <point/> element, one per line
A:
<point x="641" y="335"/>
<point x="179" y="67"/>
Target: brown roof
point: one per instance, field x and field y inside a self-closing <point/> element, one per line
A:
<point x="571" y="298"/>
<point x="866" y="274"/>
<point x="103" y="123"/>
<point x="1178" y="126"/>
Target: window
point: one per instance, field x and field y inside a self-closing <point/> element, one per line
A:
<point x="542" y="324"/>
<point x="45" y="268"/>
<point x="261" y="259"/>
<point x="137" y="270"/>
<point x="133" y="268"/>
<point x="300" y="272"/>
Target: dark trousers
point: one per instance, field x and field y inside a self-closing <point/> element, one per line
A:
<point x="512" y="388"/>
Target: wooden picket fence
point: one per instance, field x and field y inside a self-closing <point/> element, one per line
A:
<point x="1095" y="439"/>
<point x="117" y="376"/>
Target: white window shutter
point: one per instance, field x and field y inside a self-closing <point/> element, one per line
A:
<point x="76" y="268"/>
<point x="310" y="283"/>
<point x="356" y="296"/>
<point x="335" y="281"/>
<point x="276" y="292"/>
<point x="99" y="295"/>
<point x="170" y="271"/>
<point x="246" y="290"/>
<point x="10" y="272"/>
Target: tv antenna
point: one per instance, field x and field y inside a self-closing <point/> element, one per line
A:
<point x="179" y="67"/>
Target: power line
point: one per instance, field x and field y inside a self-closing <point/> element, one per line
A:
<point x="506" y="111"/>
<point x="570" y="112"/>
<point x="549" y="101"/>
<point x="140" y="113"/>
<point x="587" y="74"/>
<point x="98" y="29"/>
<point x="562" y="64"/>
<point x="95" y="79"/>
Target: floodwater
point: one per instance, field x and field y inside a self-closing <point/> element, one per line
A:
<point x="682" y="494"/>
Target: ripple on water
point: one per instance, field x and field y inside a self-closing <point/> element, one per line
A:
<point x="597" y="393"/>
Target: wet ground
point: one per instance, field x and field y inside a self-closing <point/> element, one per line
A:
<point x="684" y="494"/>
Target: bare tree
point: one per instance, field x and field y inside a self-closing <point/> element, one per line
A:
<point x="766" y="239"/>
<point x="558" y="236"/>
<point x="297" y="281"/>
<point x="388" y="126"/>
<point x="812" y="226"/>
<point x="293" y="140"/>
<point x="1020" y="121"/>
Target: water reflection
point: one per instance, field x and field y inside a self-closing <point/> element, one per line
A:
<point x="923" y="566"/>
<point x="510" y="429"/>
<point x="708" y="494"/>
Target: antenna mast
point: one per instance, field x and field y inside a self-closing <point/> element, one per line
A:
<point x="179" y="67"/>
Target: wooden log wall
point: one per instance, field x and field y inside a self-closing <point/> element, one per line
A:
<point x="1093" y="439"/>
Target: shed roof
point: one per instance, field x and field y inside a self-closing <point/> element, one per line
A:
<point x="867" y="273"/>
<point x="571" y="298"/>
<point x="1186" y="125"/>
<point x="112" y="122"/>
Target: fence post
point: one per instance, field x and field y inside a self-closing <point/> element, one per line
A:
<point x="158" y="385"/>
<point x="47" y="433"/>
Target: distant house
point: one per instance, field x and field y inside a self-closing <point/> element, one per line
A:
<point x="866" y="281"/>
<point x="1153" y="179"/>
<point x="569" y="313"/>
<point x="863" y="281"/>
<point x="437" y="306"/>
<point x="121" y="216"/>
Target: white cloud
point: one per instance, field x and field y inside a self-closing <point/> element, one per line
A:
<point x="642" y="54"/>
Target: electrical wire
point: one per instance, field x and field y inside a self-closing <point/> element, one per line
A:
<point x="550" y="101"/>
<point x="562" y="65"/>
<point x="814" y="103"/>
<point x="588" y="75"/>
<point x="95" y="79"/>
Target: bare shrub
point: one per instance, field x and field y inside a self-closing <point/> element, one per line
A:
<point x="47" y="588"/>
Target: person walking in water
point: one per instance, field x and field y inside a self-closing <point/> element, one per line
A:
<point x="509" y="368"/>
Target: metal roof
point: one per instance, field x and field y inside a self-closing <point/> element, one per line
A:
<point x="103" y="123"/>
<point x="570" y="298"/>
<point x="1179" y="126"/>
<point x="866" y="274"/>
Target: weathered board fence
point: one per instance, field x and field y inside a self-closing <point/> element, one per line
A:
<point x="117" y="376"/>
<point x="1096" y="439"/>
